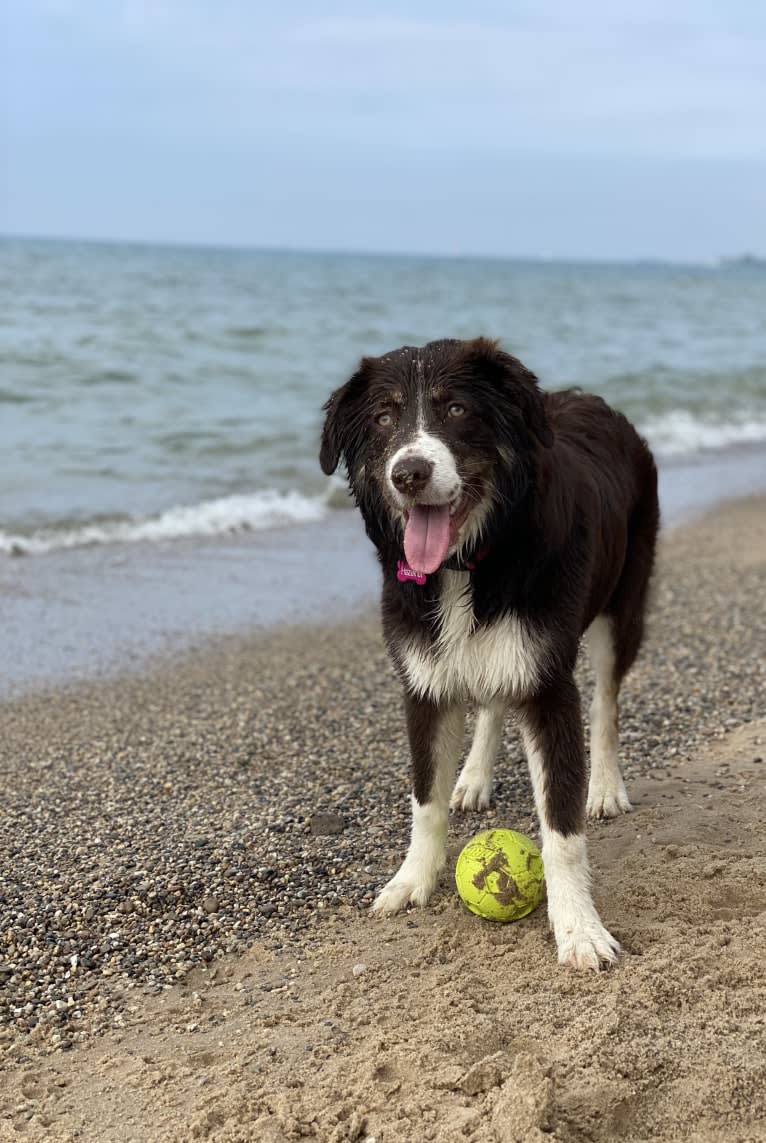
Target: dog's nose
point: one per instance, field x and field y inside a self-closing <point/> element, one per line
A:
<point x="411" y="474"/>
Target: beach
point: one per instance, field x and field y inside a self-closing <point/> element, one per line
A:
<point x="191" y="844"/>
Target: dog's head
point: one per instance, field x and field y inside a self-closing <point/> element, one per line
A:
<point x="441" y="435"/>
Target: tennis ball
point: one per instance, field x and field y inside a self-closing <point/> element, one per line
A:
<point x="499" y="875"/>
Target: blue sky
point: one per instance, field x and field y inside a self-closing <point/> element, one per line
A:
<point x="536" y="128"/>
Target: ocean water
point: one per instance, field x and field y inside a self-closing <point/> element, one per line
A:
<point x="156" y="394"/>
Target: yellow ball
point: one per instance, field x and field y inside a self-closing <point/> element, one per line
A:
<point x="499" y="875"/>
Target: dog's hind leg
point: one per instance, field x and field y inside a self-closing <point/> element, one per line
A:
<point x="436" y="740"/>
<point x="607" y="796"/>
<point x="473" y="789"/>
<point x="614" y="639"/>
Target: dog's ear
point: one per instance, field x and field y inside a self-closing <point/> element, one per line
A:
<point x="338" y="412"/>
<point x="520" y="382"/>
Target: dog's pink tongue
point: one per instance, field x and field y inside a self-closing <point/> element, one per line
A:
<point x="426" y="537"/>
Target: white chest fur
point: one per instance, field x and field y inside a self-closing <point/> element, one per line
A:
<point x="468" y="662"/>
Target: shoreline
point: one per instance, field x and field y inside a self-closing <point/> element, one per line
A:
<point x="74" y="615"/>
<point x="181" y="945"/>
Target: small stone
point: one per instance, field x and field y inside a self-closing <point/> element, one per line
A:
<point x="210" y="904"/>
<point x="358" y="969"/>
<point x="325" y="825"/>
<point x="486" y="1074"/>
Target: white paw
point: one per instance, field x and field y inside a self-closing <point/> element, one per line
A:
<point x="608" y="802"/>
<point x="589" y="946"/>
<point x="400" y="892"/>
<point x="473" y="791"/>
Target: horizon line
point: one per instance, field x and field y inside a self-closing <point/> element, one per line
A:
<point x="357" y="252"/>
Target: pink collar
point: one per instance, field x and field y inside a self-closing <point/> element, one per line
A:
<point x="406" y="574"/>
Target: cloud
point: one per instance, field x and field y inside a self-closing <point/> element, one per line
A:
<point x="288" y="105"/>
<point x="665" y="80"/>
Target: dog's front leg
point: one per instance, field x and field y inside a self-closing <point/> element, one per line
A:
<point x="551" y="727"/>
<point x="436" y="741"/>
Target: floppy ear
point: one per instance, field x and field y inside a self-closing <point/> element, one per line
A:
<point x="331" y="446"/>
<point x="336" y="430"/>
<point x="520" y="381"/>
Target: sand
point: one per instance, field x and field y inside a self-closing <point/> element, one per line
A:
<point x="302" y="1016"/>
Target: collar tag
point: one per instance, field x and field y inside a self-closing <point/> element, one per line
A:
<point x="406" y="574"/>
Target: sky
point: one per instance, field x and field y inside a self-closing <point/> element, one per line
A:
<point x="535" y="128"/>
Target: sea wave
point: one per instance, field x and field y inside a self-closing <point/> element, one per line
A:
<point x="675" y="434"/>
<point x="681" y="433"/>
<point x="224" y="516"/>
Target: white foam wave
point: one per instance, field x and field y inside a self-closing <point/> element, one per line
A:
<point x="681" y="433"/>
<point x="225" y="516"/>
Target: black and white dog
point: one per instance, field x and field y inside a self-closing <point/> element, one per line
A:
<point x="508" y="522"/>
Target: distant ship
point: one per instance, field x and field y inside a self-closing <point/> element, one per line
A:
<point x="743" y="260"/>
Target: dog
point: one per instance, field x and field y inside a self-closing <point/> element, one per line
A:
<point x="508" y="523"/>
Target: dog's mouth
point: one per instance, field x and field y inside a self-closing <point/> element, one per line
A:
<point x="430" y="530"/>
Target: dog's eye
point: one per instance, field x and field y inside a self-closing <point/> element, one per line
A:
<point x="385" y="420"/>
<point x="456" y="410"/>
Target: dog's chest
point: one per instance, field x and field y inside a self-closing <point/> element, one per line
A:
<point x="471" y="662"/>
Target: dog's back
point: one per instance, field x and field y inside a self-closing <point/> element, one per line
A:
<point x="602" y="472"/>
